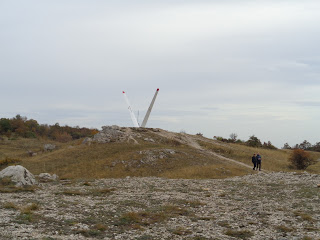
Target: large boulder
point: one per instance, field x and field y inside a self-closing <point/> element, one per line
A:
<point x="19" y="175"/>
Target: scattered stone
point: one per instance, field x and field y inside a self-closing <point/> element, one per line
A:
<point x="19" y="175"/>
<point x="49" y="147"/>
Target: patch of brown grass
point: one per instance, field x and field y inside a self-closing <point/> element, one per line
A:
<point x="242" y="234"/>
<point x="304" y="216"/>
<point x="151" y="216"/>
<point x="283" y="228"/>
<point x="10" y="205"/>
<point x="7" y="186"/>
<point x="30" y="208"/>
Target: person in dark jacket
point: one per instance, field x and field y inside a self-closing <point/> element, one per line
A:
<point x="258" y="162"/>
<point x="254" y="161"/>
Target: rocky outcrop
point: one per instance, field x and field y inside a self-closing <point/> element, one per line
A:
<point x="19" y="175"/>
<point x="109" y="134"/>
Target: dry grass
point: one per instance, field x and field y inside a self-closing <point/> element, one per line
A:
<point x="8" y="161"/>
<point x="217" y="170"/>
<point x="30" y="208"/>
<point x="96" y="161"/>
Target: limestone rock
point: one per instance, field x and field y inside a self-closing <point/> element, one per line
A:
<point x="19" y="175"/>
<point x="47" y="177"/>
<point x="49" y="147"/>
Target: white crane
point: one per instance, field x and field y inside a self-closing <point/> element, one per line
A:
<point x="133" y="117"/>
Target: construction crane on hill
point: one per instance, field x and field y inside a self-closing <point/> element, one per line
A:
<point x="133" y="117"/>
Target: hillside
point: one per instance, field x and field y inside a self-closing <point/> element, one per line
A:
<point x="144" y="152"/>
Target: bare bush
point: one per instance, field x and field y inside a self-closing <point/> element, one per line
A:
<point x="300" y="159"/>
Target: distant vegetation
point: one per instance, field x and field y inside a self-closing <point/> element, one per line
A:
<point x="305" y="145"/>
<point x="253" y="141"/>
<point x="28" y="128"/>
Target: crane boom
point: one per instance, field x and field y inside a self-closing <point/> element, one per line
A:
<point x="133" y="117"/>
<point x="145" y="120"/>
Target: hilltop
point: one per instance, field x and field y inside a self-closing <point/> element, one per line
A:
<point x="143" y="152"/>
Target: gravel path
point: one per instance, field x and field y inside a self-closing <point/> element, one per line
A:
<point x="260" y="206"/>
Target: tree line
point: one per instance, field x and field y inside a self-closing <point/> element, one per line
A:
<point x="305" y="145"/>
<point x="30" y="128"/>
<point x="253" y="141"/>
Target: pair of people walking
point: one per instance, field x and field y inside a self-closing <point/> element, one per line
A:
<point x="256" y="160"/>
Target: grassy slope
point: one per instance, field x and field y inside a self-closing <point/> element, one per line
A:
<point x="113" y="160"/>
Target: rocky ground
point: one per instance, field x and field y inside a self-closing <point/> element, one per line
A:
<point x="259" y="206"/>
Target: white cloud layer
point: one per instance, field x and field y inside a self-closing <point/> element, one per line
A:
<point x="250" y="67"/>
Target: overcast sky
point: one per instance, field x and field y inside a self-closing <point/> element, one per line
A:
<point x="222" y="66"/>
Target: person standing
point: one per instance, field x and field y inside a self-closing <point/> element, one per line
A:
<point x="254" y="161"/>
<point x="258" y="161"/>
